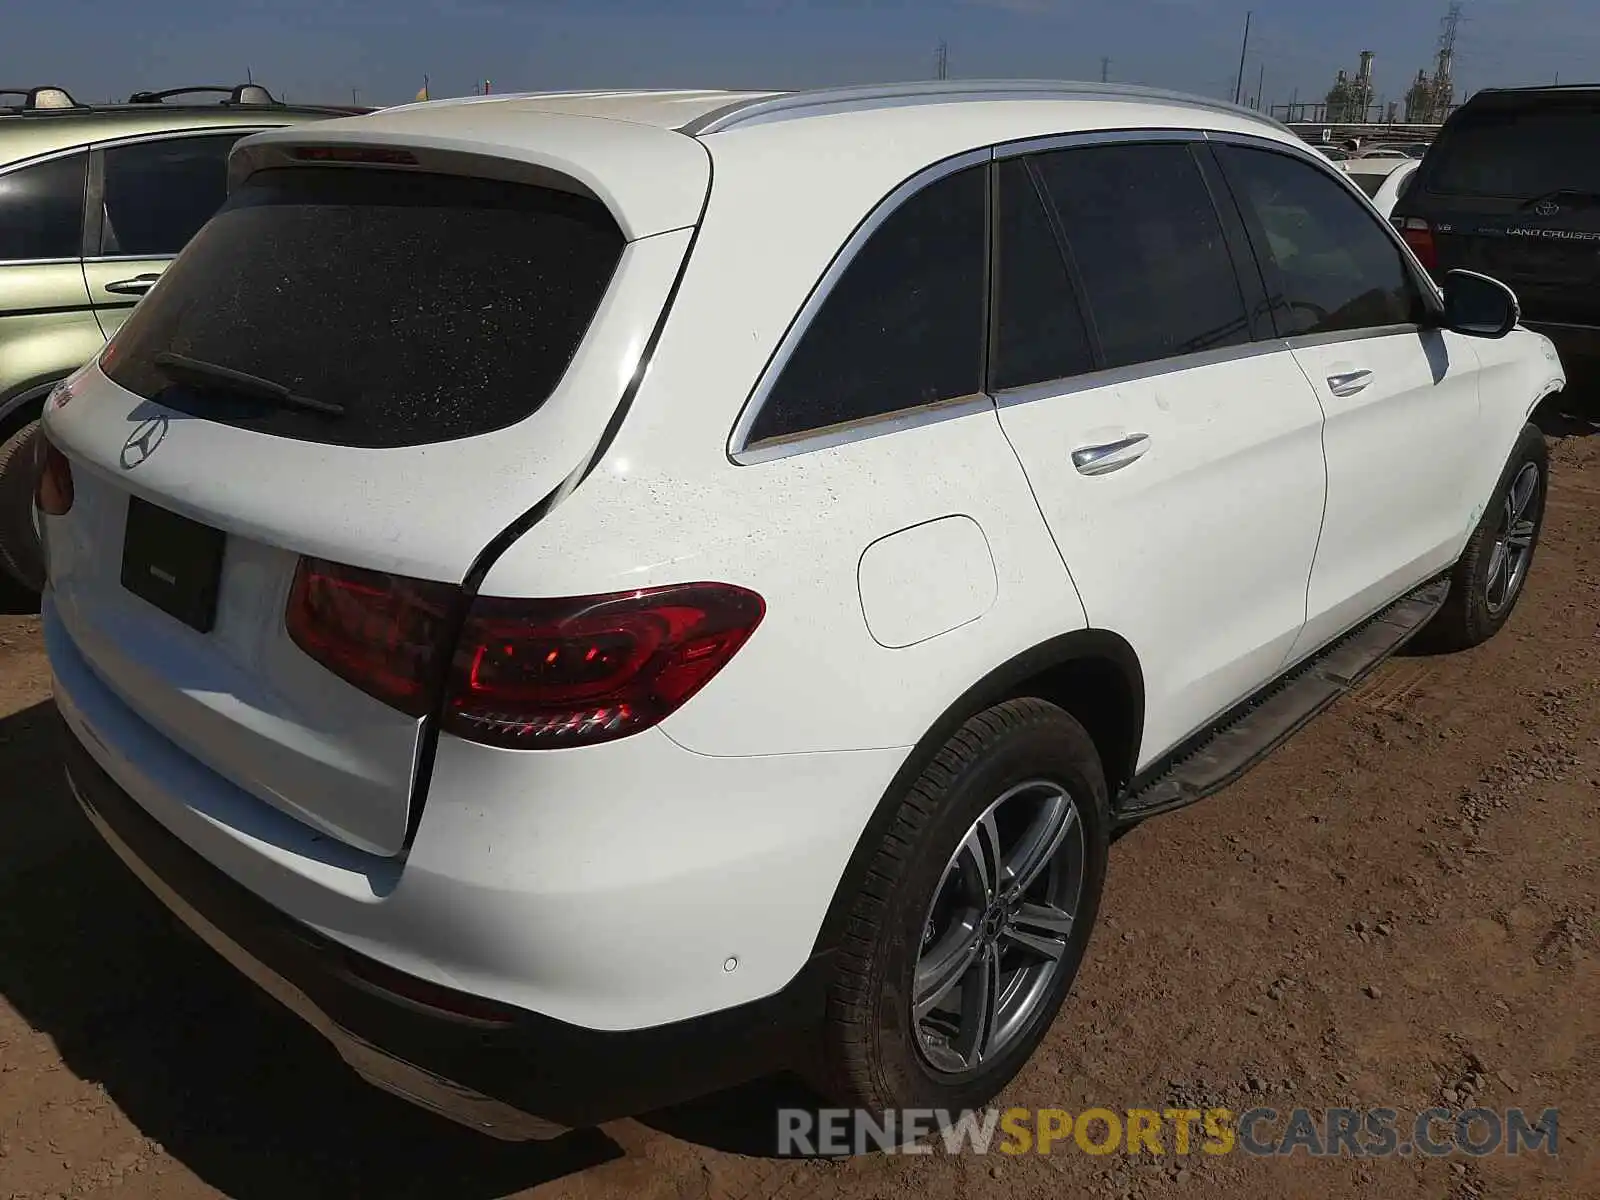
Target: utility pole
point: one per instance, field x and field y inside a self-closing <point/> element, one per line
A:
<point x="1105" y="70"/>
<point x="941" y="60"/>
<point x="1238" y="87"/>
<point x="355" y="94"/>
<point x="1261" y="83"/>
<point x="248" y="77"/>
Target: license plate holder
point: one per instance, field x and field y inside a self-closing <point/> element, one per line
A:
<point x="173" y="563"/>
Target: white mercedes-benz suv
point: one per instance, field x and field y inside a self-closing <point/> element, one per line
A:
<point x="591" y="597"/>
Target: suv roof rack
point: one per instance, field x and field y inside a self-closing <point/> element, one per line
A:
<point x="40" y="99"/>
<point x="242" y="94"/>
<point x="788" y="105"/>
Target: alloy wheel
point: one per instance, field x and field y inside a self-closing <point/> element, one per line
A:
<point x="1513" y="544"/>
<point x="996" y="934"/>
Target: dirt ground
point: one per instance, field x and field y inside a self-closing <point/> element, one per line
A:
<point x="1399" y="908"/>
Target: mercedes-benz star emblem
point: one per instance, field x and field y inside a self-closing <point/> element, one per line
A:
<point x="142" y="442"/>
<point x="1547" y="208"/>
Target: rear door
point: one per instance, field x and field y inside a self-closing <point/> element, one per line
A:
<point x="1512" y="189"/>
<point x="148" y="197"/>
<point x="1176" y="458"/>
<point x="46" y="328"/>
<point x="1400" y="394"/>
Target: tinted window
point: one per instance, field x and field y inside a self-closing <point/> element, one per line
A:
<point x="1336" y="266"/>
<point x="158" y="194"/>
<point x="1149" y="250"/>
<point x="429" y="307"/>
<point x="903" y="324"/>
<point x="1518" y="154"/>
<point x="41" y="209"/>
<point x="1039" y="331"/>
<point x="1368" y="181"/>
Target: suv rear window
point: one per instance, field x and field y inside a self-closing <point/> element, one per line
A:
<point x="425" y="307"/>
<point x="1523" y="153"/>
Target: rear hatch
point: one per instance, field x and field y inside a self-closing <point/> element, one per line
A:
<point x="379" y="354"/>
<point x="1512" y="190"/>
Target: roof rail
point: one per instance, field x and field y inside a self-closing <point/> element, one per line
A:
<point x="244" y="94"/>
<point x="41" y="99"/>
<point x="790" y="105"/>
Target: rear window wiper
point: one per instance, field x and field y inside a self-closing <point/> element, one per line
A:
<point x="1586" y="194"/>
<point x="213" y="374"/>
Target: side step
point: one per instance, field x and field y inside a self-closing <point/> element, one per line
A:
<point x="1218" y="756"/>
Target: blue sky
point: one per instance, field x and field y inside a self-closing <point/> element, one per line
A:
<point x="321" y="49"/>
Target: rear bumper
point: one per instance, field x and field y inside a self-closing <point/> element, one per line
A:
<point x="508" y="1073"/>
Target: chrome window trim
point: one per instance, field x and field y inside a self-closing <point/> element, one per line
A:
<point x="865" y="429"/>
<point x="172" y="135"/>
<point x="1067" y="385"/>
<point x="113" y="258"/>
<point x="22" y="164"/>
<point x="1097" y="137"/>
<point x="739" y="449"/>
<point x="1431" y="292"/>
<point x="1305" y="341"/>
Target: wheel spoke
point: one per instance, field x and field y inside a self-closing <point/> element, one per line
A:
<point x="1521" y="535"/>
<point x="1499" y="557"/>
<point x="981" y="852"/>
<point x="944" y="966"/>
<point x="980" y="1004"/>
<point x="1041" y="928"/>
<point x="1035" y="850"/>
<point x="1522" y="492"/>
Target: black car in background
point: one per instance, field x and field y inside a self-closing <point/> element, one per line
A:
<point x="1511" y="188"/>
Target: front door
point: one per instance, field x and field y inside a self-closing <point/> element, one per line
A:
<point x="155" y="193"/>
<point x="1400" y="394"/>
<point x="1176" y="460"/>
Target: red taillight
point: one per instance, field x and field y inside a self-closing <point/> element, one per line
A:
<point x="549" y="673"/>
<point x="525" y="674"/>
<point x="1419" y="236"/>
<point x="53" y="493"/>
<point x="385" y="634"/>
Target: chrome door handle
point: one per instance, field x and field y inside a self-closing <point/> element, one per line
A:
<point x="1110" y="456"/>
<point x="1349" y="383"/>
<point x="137" y="286"/>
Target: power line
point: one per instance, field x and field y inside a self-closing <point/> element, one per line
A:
<point x="1238" y="85"/>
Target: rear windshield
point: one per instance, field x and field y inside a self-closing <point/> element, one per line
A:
<point x="393" y="310"/>
<point x="1518" y="154"/>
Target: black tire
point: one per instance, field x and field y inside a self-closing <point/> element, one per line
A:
<point x="871" y="1051"/>
<point x="1469" y="616"/>
<point x="21" y="557"/>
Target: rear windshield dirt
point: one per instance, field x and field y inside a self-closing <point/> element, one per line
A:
<point x="422" y="307"/>
<point x="1520" y="154"/>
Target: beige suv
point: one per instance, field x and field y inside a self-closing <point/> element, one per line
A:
<point x="95" y="200"/>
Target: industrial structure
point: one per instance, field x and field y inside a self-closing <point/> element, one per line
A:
<point x="1353" y="107"/>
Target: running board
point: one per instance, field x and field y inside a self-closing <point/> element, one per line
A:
<point x="1217" y="757"/>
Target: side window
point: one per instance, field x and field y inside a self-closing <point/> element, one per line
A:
<point x="41" y="209"/>
<point x="1149" y="249"/>
<point x="903" y="324"/>
<point x="1336" y="267"/>
<point x="158" y="194"/>
<point x="1038" y="330"/>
